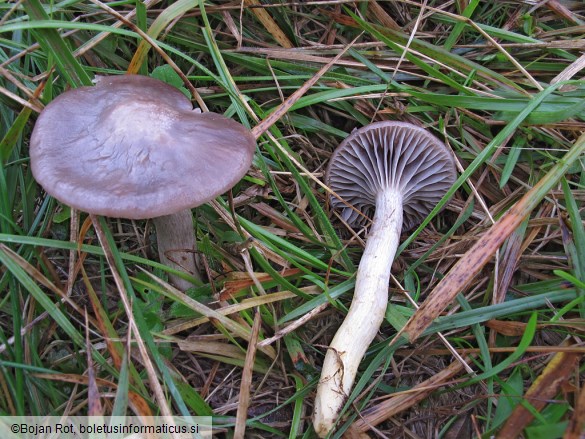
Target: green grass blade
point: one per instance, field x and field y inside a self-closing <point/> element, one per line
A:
<point x="121" y="399"/>
<point x="521" y="348"/>
<point x="511" y="161"/>
<point x="578" y="253"/>
<point x="459" y="28"/>
<point x="143" y="327"/>
<point x="394" y="38"/>
<point x="52" y="43"/>
<point x="487" y="152"/>
<point x="44" y="301"/>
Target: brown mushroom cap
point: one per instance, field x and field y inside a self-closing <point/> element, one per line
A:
<point x="133" y="147"/>
<point x="391" y="154"/>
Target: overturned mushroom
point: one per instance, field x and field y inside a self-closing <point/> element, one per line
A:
<point x="133" y="147"/>
<point x="399" y="172"/>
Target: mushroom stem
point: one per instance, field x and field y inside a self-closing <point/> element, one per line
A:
<point x="176" y="246"/>
<point x="365" y="315"/>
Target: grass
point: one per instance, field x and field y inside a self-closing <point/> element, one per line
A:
<point x="483" y="335"/>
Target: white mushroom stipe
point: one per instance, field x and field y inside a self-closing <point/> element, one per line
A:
<point x="365" y="314"/>
<point x="177" y="246"/>
<point x="398" y="171"/>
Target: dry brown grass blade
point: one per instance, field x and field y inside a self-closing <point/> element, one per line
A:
<point x="13" y="96"/>
<point x="402" y="401"/>
<point x="339" y="18"/>
<point x="100" y="317"/>
<point x="429" y="352"/>
<point x="241" y="306"/>
<point x="236" y="328"/>
<point x="238" y="281"/>
<point x="231" y="222"/>
<point x="33" y="96"/>
<point x="570" y="71"/>
<point x="134" y="66"/>
<point x="6" y="396"/>
<point x="294" y="325"/>
<point x="275" y="116"/>
<point x="74" y="379"/>
<point x="563" y="11"/>
<point x="76" y="257"/>
<point x="94" y="403"/>
<point x="511" y="329"/>
<point x="133" y="328"/>
<point x="517" y="329"/>
<point x="275" y="216"/>
<point x="471" y="263"/>
<point x="269" y="23"/>
<point x="577" y="422"/>
<point x="242" y="414"/>
<point x="509" y="260"/>
<point x="212" y="347"/>
<point x="378" y="12"/>
<point x="39" y="278"/>
<point x="461" y="428"/>
<point x="103" y="35"/>
<point x="138" y="404"/>
<point x="544" y="388"/>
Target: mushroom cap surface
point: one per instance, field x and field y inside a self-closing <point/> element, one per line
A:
<point x="133" y="147"/>
<point x="395" y="155"/>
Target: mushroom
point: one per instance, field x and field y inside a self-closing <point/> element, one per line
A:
<point x="134" y="147"/>
<point x="399" y="172"/>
